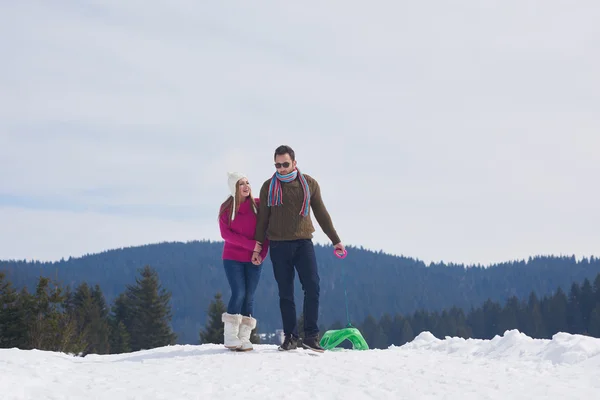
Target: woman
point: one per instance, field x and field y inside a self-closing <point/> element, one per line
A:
<point x="237" y="221"/>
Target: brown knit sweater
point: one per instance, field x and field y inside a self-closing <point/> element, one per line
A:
<point x="284" y="222"/>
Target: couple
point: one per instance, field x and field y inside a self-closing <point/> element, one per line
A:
<point x="279" y="221"/>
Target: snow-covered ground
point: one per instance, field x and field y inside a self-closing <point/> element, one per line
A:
<point x="513" y="366"/>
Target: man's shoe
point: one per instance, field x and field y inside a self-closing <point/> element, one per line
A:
<point x="290" y="343"/>
<point x="312" y="343"/>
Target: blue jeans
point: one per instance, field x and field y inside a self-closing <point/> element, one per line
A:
<point x="243" y="280"/>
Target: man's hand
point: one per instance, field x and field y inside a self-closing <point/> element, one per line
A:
<point x="339" y="249"/>
<point x="257" y="247"/>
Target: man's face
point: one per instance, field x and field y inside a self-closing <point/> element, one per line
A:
<point x="284" y="164"/>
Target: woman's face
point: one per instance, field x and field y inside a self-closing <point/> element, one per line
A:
<point x="244" y="187"/>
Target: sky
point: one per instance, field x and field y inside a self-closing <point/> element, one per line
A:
<point x="464" y="132"/>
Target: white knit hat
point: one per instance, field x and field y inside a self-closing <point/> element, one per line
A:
<point x="232" y="180"/>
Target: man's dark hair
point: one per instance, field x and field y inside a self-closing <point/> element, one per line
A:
<point x="283" y="149"/>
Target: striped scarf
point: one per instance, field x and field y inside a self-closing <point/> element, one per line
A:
<point x="276" y="194"/>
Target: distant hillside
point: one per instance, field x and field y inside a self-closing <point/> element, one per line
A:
<point x="377" y="283"/>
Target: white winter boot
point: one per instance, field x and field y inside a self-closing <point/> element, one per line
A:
<point x="246" y="327"/>
<point x="231" y="330"/>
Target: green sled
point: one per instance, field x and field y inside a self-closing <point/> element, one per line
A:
<point x="333" y="338"/>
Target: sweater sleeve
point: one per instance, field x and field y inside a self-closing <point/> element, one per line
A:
<point x="322" y="215"/>
<point x="233" y="237"/>
<point x="265" y="243"/>
<point x="264" y="211"/>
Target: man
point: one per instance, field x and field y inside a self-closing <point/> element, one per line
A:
<point x="284" y="217"/>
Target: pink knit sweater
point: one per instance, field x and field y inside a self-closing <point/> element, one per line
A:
<point x="239" y="236"/>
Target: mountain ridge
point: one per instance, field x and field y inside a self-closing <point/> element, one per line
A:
<point x="376" y="282"/>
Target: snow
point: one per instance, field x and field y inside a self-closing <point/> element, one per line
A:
<point x="512" y="366"/>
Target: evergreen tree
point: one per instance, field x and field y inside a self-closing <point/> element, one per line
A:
<point x="24" y="306"/>
<point x="574" y="315"/>
<point x="395" y="333"/>
<point x="119" y="339"/>
<point x="122" y="311"/>
<point x="68" y="300"/>
<point x="79" y="305"/>
<point x="150" y="311"/>
<point x="49" y="327"/>
<point x="373" y="334"/>
<point x="508" y="318"/>
<point x="476" y="321"/>
<point x="587" y="303"/>
<point x="44" y="329"/>
<point x="401" y="332"/>
<point x="443" y="325"/>
<point x="597" y="289"/>
<point x="99" y="323"/>
<point x="462" y="328"/>
<point x="386" y="324"/>
<point x="534" y="325"/>
<point x="120" y="324"/>
<point x="88" y="308"/>
<point x="594" y="329"/>
<point x="554" y="312"/>
<point x="214" y="330"/>
<point x="407" y="332"/>
<point x="11" y="325"/>
<point x="422" y="321"/>
<point x="491" y="313"/>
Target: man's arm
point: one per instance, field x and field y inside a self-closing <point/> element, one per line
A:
<point x="263" y="215"/>
<point x="321" y="214"/>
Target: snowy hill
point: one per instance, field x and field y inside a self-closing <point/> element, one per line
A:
<point x="513" y="366"/>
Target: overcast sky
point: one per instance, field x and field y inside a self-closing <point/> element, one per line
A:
<point x="464" y="131"/>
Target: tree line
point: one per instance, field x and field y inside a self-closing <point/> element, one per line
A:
<point x="376" y="283"/>
<point x="540" y="318"/>
<point x="79" y="321"/>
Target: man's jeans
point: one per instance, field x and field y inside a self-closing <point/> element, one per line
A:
<point x="285" y="255"/>
<point x="243" y="279"/>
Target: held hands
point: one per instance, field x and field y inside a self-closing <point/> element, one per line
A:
<point x="256" y="258"/>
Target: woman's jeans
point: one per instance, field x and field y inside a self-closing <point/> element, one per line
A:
<point x="243" y="280"/>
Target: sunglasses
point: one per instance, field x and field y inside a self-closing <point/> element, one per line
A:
<point x="284" y="165"/>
